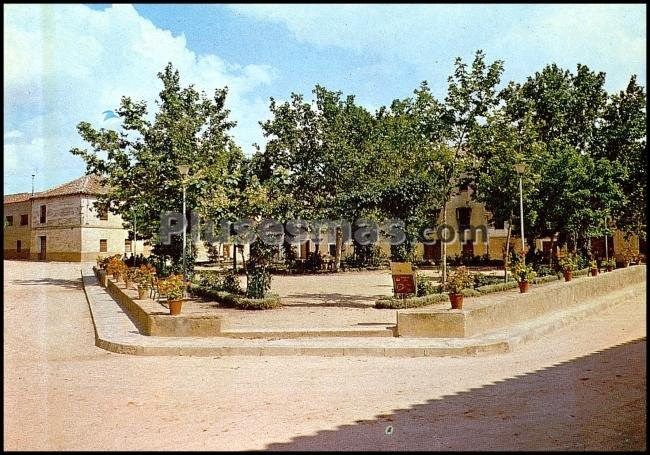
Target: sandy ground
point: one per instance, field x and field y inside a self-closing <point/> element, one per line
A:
<point x="581" y="387"/>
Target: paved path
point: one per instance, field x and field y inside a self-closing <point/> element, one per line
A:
<point x="581" y="387"/>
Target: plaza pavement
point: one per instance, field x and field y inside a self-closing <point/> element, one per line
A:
<point x="579" y="387"/>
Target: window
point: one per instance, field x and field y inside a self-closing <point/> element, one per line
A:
<point x="9" y="221"/>
<point x="24" y="220"/>
<point x="43" y="214"/>
<point x="103" y="245"/>
<point x="127" y="246"/>
<point x="102" y="212"/>
<point x="19" y="246"/>
<point x="332" y="249"/>
<point x="499" y="224"/>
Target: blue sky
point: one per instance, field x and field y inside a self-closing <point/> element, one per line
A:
<point x="68" y="63"/>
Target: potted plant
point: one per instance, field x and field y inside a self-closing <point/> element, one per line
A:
<point x="115" y="267"/>
<point x="593" y="265"/>
<point x="627" y="256"/>
<point x="144" y="279"/>
<point x="130" y="274"/>
<point x="568" y="264"/>
<point x="610" y="264"/>
<point x="103" y="277"/>
<point x="173" y="287"/>
<point x="460" y="279"/>
<point x="524" y="274"/>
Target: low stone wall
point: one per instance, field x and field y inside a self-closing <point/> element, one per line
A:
<point x="478" y="317"/>
<point x="152" y="319"/>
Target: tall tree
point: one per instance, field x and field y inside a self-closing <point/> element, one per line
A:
<point x="471" y="96"/>
<point x="139" y="162"/>
<point x="622" y="138"/>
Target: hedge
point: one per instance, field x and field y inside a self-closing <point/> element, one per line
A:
<point x="411" y="302"/>
<point x="497" y="287"/>
<point x="229" y="300"/>
<point x="414" y="302"/>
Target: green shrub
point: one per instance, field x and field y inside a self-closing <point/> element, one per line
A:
<point x="230" y="283"/>
<point x="480" y="279"/>
<point x="427" y="285"/>
<point x="581" y="272"/>
<point x="469" y="292"/>
<point x="544" y="270"/>
<point x="230" y="300"/>
<point x="545" y="279"/>
<point x="413" y="302"/>
<point x="259" y="283"/>
<point x="499" y="287"/>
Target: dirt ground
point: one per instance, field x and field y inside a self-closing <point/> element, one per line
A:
<point x="582" y="387"/>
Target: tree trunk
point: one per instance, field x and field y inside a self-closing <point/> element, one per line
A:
<point x="550" y="259"/>
<point x="234" y="258"/>
<point x="339" y="247"/>
<point x="507" y="257"/>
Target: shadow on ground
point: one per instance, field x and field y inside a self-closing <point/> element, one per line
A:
<point x="66" y="284"/>
<point x="595" y="402"/>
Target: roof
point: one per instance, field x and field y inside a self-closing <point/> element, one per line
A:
<point x="87" y="184"/>
<point x="14" y="198"/>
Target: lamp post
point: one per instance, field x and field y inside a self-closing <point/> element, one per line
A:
<point x="184" y="169"/>
<point x="520" y="168"/>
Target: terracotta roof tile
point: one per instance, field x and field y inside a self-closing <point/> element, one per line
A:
<point x="14" y="198"/>
<point x="87" y="184"/>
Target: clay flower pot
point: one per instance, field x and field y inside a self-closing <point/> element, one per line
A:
<point x="609" y="268"/>
<point x="594" y="272"/>
<point x="142" y="292"/>
<point x="456" y="301"/>
<point x="567" y="275"/>
<point x="523" y="286"/>
<point x="175" y="306"/>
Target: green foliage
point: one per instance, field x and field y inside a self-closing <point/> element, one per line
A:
<point x="498" y="287"/>
<point x="545" y="279"/>
<point x="481" y="279"/>
<point x="569" y="262"/>
<point x="522" y="272"/>
<point x="259" y="283"/>
<point x="459" y="279"/>
<point x="230" y="283"/>
<point x="366" y="256"/>
<point x="140" y="164"/>
<point x="413" y="302"/>
<point x="230" y="300"/>
<point x="543" y="270"/>
<point x="426" y="285"/>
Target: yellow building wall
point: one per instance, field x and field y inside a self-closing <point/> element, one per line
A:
<point x="16" y="232"/>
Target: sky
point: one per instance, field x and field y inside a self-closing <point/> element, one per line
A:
<point x="64" y="64"/>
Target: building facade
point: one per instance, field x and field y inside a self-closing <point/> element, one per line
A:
<point x="62" y="224"/>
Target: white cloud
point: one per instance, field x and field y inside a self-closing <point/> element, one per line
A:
<point x="68" y="63"/>
<point x="426" y="38"/>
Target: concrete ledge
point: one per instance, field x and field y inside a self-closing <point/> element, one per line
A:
<point x="115" y="332"/>
<point x="150" y="318"/>
<point x="493" y="312"/>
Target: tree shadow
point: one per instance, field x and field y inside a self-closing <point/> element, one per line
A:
<point x="595" y="402"/>
<point x="66" y="284"/>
